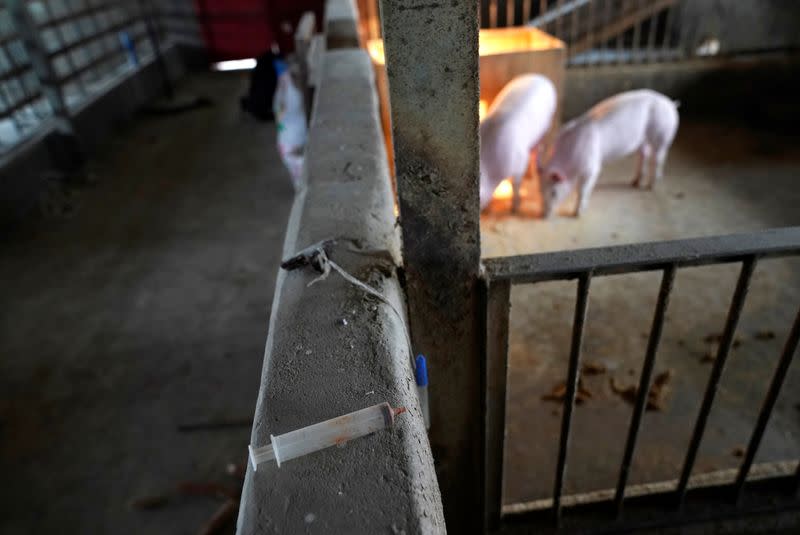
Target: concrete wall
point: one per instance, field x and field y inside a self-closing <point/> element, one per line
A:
<point x="24" y="168"/>
<point x="333" y="349"/>
<point x="756" y="90"/>
<point x="741" y="25"/>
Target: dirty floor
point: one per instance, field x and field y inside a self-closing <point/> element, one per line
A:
<point x="719" y="180"/>
<point x="144" y="310"/>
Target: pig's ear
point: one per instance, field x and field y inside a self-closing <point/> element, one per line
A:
<point x="556" y="177"/>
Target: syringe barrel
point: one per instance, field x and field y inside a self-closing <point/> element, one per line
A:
<point x="333" y="432"/>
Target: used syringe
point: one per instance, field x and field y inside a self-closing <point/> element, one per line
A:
<point x="333" y="432"/>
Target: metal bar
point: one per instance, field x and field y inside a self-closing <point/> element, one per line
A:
<point x="637" y="31"/>
<point x="542" y="12"/>
<point x="797" y="481"/>
<point x="166" y="81"/>
<point x="19" y="104"/>
<point x="74" y="15"/>
<point x="11" y="110"/>
<point x="493" y="14"/>
<point x="100" y="35"/>
<point x="581" y="306"/>
<point x="607" y="20"/>
<point x="667" y="281"/>
<point x="560" y="19"/>
<point x="623" y="22"/>
<point x="565" y="265"/>
<point x="546" y="16"/>
<point x="735" y="311"/>
<point x="510" y="8"/>
<point x="651" y="36"/>
<point x="497" y="313"/>
<point x="64" y="47"/>
<point x="441" y="246"/>
<point x="104" y="58"/>
<point x="85" y="40"/>
<point x="573" y="30"/>
<point x="40" y="61"/>
<point x="526" y="11"/>
<point x="789" y="350"/>
<point x="590" y="30"/>
<point x="667" y="39"/>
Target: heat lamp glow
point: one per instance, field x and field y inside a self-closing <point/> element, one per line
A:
<point x="504" y="191"/>
<point x="483" y="106"/>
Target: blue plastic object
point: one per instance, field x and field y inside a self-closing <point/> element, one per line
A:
<point x="280" y="66"/>
<point x="421" y="373"/>
<point x="130" y="48"/>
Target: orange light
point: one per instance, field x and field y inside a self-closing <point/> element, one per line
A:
<point x="504" y="191"/>
<point x="482" y="107"/>
<point x="490" y="42"/>
<point x="375" y="49"/>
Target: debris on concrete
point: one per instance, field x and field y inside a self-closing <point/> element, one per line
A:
<point x="216" y="425"/>
<point x="738" y="452"/>
<point x="221" y="518"/>
<point x="593" y="368"/>
<point x="765" y="335"/>
<point x="147" y="503"/>
<point x="656" y="398"/>
<point x="207" y="489"/>
<point x="713" y="338"/>
<point x="559" y="392"/>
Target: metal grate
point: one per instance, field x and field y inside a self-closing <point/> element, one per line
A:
<point x="87" y="43"/>
<point x="179" y="22"/>
<point x="23" y="107"/>
<point x="597" y="31"/>
<point x="584" y="265"/>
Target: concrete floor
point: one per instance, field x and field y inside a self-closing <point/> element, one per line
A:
<point x="719" y="179"/>
<point x="146" y="309"/>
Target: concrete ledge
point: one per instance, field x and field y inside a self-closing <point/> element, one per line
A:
<point x="317" y="367"/>
<point x="341" y="24"/>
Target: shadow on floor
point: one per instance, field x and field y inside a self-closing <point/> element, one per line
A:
<point x="145" y="310"/>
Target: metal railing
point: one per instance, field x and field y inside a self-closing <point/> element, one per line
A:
<point x="55" y="55"/>
<point x="598" y="31"/>
<point x="23" y="106"/>
<point x="500" y="274"/>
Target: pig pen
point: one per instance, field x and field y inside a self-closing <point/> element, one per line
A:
<point x="719" y="179"/>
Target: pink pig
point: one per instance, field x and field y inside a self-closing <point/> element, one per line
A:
<point x="636" y="121"/>
<point x="515" y="124"/>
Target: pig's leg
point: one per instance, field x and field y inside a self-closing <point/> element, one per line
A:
<point x="585" y="188"/>
<point x="516" y="196"/>
<point x="644" y="156"/>
<point x="657" y="173"/>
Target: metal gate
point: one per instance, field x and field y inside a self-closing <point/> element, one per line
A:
<point x="654" y="509"/>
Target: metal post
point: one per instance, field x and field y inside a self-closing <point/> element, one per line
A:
<point x="496" y="374"/>
<point x="667" y="281"/>
<point x="432" y="67"/>
<point x="155" y="42"/>
<point x="734" y="312"/>
<point x="766" y="409"/>
<point x="573" y="376"/>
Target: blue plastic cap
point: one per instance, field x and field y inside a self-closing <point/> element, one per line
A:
<point x="280" y="66"/>
<point x="421" y="373"/>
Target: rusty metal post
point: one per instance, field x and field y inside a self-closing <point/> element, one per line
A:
<point x="432" y="66"/>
